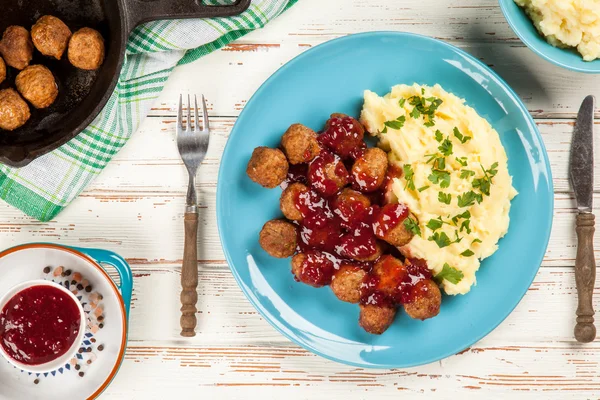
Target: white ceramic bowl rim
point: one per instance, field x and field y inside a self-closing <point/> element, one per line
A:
<point x="62" y="360"/>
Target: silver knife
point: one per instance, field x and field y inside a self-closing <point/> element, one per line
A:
<point x="581" y="174"/>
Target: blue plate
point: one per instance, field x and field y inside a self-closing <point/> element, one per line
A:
<point x="331" y="78"/>
<point x="524" y="28"/>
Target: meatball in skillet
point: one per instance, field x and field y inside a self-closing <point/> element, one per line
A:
<point x="376" y="319"/>
<point x="2" y="70"/>
<point x="368" y="171"/>
<point x="14" y="111"/>
<point x="278" y="238"/>
<point x="50" y="36"/>
<point x="37" y="85"/>
<point x="289" y="201"/>
<point x="86" y="49"/>
<point x="346" y="283"/>
<point x="300" y="144"/>
<point x="16" y="47"/>
<point x="267" y="167"/>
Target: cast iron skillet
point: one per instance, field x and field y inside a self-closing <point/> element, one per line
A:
<point x="83" y="94"/>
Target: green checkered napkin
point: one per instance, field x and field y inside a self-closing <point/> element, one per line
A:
<point x="50" y="183"/>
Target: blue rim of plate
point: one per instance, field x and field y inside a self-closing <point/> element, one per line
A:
<point x="268" y="316"/>
<point x="594" y="66"/>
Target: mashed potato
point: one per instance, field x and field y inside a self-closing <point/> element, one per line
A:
<point x="567" y="23"/>
<point x="415" y="143"/>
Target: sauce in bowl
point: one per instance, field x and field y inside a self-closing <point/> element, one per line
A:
<point x="39" y="325"/>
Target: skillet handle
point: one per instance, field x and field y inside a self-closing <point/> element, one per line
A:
<point x="140" y="11"/>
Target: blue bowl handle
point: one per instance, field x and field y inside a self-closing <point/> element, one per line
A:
<point x="115" y="260"/>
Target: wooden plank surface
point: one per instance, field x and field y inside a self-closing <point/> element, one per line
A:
<point x="135" y="208"/>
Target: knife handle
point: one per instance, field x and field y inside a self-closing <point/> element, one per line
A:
<point x="585" y="277"/>
<point x="189" y="276"/>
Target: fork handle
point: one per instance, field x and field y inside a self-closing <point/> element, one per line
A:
<point x="189" y="274"/>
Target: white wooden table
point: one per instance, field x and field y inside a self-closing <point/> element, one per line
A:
<point x="136" y="209"/>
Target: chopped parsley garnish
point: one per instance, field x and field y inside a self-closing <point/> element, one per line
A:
<point x="476" y="241"/>
<point x="467" y="253"/>
<point x="439" y="136"/>
<point x="435" y="224"/>
<point x="397" y="124"/>
<point x="446" y="147"/>
<point x="442" y="240"/>
<point x="463" y="138"/>
<point x="421" y="107"/>
<point x="445" y="198"/>
<point x="440" y="177"/>
<point x="462" y="161"/>
<point x="423" y="188"/>
<point x="412" y="226"/>
<point x="450" y="274"/>
<point x="409" y="175"/>
<point x="468" y="199"/>
<point x="466" y="225"/>
<point x="466" y="174"/>
<point x="484" y="183"/>
<point x="465" y="215"/>
<point x="401" y="102"/>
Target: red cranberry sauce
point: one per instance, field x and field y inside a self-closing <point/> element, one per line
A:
<point x="338" y="230"/>
<point x="395" y="284"/>
<point x="390" y="216"/>
<point x="344" y="136"/>
<point x="39" y="325"/>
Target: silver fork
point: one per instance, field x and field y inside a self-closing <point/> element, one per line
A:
<point x="192" y="143"/>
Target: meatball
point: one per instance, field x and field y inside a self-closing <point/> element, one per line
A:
<point x="267" y="167"/>
<point x="2" y="70"/>
<point x="426" y="302"/>
<point x="278" y="238"/>
<point x="368" y="171"/>
<point x="36" y="83"/>
<point x="16" y="47"/>
<point x="343" y="135"/>
<point x="14" y="111"/>
<point x="376" y="319"/>
<point x="289" y="201"/>
<point x="300" y="144"/>
<point x="86" y="49"/>
<point x="352" y="208"/>
<point x="361" y="245"/>
<point x="390" y="273"/>
<point x="50" y="36"/>
<point x="346" y="283"/>
<point x="327" y="174"/>
<point x="390" y="224"/>
<point x="313" y="268"/>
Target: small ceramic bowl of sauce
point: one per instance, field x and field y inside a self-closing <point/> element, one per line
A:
<point x="42" y="325"/>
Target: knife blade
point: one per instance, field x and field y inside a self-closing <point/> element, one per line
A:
<point x="581" y="167"/>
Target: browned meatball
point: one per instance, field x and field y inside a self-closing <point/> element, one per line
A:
<point x="278" y="238"/>
<point x="267" y="167"/>
<point x="50" y="36"/>
<point x="351" y="207"/>
<point x="36" y="83"/>
<point x="346" y="283"/>
<point x="300" y="144"/>
<point x="16" y="47"/>
<point x="2" y="70"/>
<point x="376" y="319"/>
<point x="86" y="49"/>
<point x="368" y="171"/>
<point x="427" y="299"/>
<point x="327" y="174"/>
<point x="313" y="268"/>
<point x="390" y="273"/>
<point x="14" y="111"/>
<point x="390" y="224"/>
<point x="289" y="200"/>
<point x="379" y="249"/>
<point x="344" y="135"/>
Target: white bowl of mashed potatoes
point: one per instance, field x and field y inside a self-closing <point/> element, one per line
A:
<point x="564" y="32"/>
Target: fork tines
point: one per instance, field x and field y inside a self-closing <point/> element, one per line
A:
<point x="188" y="126"/>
